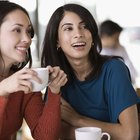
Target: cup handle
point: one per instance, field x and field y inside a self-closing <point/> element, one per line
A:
<point x="107" y="134"/>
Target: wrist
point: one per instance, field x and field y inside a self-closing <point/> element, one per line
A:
<point x="55" y="91"/>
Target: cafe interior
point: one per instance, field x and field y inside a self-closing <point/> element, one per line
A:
<point x="125" y="13"/>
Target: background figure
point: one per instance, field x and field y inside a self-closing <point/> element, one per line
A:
<point x="99" y="91"/>
<point x="109" y="33"/>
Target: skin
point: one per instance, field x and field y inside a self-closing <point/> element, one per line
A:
<point x="15" y="38"/>
<point x="72" y="31"/>
<point x="16" y="29"/>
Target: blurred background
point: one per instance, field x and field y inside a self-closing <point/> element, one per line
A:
<point x="123" y="12"/>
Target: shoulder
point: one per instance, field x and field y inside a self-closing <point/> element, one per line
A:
<point x="116" y="67"/>
<point x="114" y="63"/>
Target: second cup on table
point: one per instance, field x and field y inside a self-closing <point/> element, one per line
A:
<point x="90" y="133"/>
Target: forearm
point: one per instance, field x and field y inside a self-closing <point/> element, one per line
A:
<point x="44" y="119"/>
<point x="126" y="128"/>
<point x="50" y="119"/>
<point x="117" y="131"/>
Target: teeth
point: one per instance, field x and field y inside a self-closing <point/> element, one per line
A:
<point x="78" y="44"/>
<point x="21" y="48"/>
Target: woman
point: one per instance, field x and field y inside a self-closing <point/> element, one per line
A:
<point x="99" y="91"/>
<point x="16" y="99"/>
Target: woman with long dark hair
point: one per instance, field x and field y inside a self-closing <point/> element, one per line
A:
<point x="99" y="91"/>
<point x="17" y="101"/>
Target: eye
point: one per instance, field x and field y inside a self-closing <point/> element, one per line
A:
<point x="68" y="28"/>
<point x="18" y="30"/>
<point x="83" y="26"/>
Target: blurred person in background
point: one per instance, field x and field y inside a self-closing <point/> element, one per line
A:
<point x="109" y="33"/>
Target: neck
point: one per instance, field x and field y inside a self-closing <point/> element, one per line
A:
<point x="83" y="71"/>
<point x="82" y="67"/>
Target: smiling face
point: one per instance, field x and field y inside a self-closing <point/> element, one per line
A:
<point x="15" y="37"/>
<point x="73" y="37"/>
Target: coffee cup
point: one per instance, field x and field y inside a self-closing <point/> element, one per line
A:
<point x="90" y="133"/>
<point x="43" y="74"/>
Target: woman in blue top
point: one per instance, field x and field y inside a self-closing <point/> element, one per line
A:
<point x="99" y="91"/>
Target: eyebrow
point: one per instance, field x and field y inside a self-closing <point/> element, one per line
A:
<point x="71" y="23"/>
<point x="66" y="24"/>
<point x="18" y="24"/>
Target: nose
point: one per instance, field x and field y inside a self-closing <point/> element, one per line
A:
<point x="78" y="33"/>
<point x="26" y="38"/>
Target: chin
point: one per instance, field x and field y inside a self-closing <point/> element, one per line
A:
<point x="21" y="60"/>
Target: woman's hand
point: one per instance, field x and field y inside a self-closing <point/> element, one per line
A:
<point x="68" y="114"/>
<point x="18" y="82"/>
<point x="70" y="119"/>
<point x="57" y="79"/>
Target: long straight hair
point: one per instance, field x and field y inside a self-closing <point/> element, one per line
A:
<point x="54" y="57"/>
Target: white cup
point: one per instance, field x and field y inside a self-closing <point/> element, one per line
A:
<point x="43" y="74"/>
<point x="90" y="133"/>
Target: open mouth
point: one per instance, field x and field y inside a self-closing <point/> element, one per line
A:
<point x="80" y="44"/>
<point x="22" y="49"/>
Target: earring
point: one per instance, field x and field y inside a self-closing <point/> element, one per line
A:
<point x="58" y="47"/>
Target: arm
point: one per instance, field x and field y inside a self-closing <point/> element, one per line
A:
<point x="126" y="129"/>
<point x="19" y="83"/>
<point x="44" y="118"/>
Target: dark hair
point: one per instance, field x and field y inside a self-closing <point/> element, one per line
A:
<point x="54" y="57"/>
<point x="109" y="28"/>
<point x="5" y="8"/>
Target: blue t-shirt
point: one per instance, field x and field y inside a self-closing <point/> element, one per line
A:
<point x="105" y="97"/>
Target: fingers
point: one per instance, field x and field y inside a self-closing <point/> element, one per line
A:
<point x="50" y="68"/>
<point x="27" y="73"/>
<point x="56" y="71"/>
<point x="23" y="79"/>
<point x="27" y="70"/>
<point x="26" y="85"/>
<point x="25" y="89"/>
<point x="58" y="77"/>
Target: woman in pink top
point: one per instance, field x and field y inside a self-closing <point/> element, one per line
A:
<point x="17" y="101"/>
